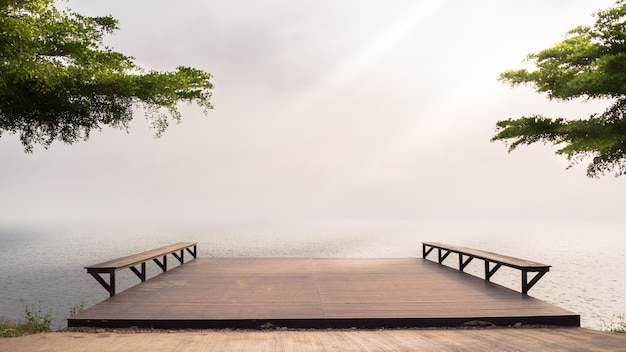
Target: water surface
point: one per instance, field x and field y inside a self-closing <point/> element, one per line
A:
<point x="44" y="262"/>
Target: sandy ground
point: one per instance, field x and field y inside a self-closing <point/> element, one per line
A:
<point x="500" y="339"/>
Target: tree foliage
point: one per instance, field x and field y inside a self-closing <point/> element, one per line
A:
<point x="590" y="63"/>
<point x="58" y="81"/>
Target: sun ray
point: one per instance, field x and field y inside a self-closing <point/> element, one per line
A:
<point x="370" y="54"/>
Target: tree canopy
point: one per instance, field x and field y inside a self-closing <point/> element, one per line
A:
<point x="58" y="81"/>
<point x="590" y="63"/>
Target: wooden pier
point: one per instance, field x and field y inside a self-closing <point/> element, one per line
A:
<point x="317" y="293"/>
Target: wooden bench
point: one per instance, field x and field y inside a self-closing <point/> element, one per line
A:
<point x="467" y="254"/>
<point x="158" y="255"/>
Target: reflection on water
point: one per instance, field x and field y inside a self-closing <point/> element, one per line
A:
<point x="44" y="262"/>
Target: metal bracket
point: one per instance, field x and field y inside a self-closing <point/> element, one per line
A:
<point x="526" y="285"/>
<point x="109" y="286"/>
<point x="462" y="263"/>
<point x="162" y="265"/>
<point x="490" y="271"/>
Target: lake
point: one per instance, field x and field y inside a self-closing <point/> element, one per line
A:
<point x="43" y="262"/>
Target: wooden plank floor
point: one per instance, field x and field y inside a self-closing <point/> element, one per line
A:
<point x="317" y="293"/>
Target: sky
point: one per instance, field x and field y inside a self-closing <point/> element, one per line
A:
<point x="324" y="109"/>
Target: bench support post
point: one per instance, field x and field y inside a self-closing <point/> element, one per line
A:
<point x="181" y="258"/>
<point x="526" y="285"/>
<point x="163" y="264"/>
<point x="425" y="252"/>
<point x="442" y="257"/>
<point x="463" y="263"/>
<point x="490" y="271"/>
<point x="109" y="286"/>
<point x="193" y="253"/>
<point x="141" y="274"/>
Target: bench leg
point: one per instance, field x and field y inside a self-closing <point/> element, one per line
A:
<point x="426" y="252"/>
<point x="193" y="253"/>
<point x="141" y="274"/>
<point x="463" y="263"/>
<point x="444" y="256"/>
<point x="490" y="271"/>
<point x="163" y="264"/>
<point x="181" y="258"/>
<point x="109" y="286"/>
<point x="526" y="285"/>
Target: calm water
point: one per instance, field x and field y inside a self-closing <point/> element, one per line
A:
<point x="44" y="262"/>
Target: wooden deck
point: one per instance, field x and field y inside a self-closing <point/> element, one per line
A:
<point x="317" y="293"/>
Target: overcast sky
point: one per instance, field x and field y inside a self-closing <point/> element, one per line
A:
<point x="324" y="109"/>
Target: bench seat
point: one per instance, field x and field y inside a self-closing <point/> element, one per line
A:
<point x="158" y="255"/>
<point x="466" y="255"/>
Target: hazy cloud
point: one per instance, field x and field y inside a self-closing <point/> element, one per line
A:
<point x="323" y="109"/>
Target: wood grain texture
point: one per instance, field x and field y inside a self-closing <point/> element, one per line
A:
<point x="317" y="293"/>
<point x="495" y="257"/>
<point x="134" y="259"/>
